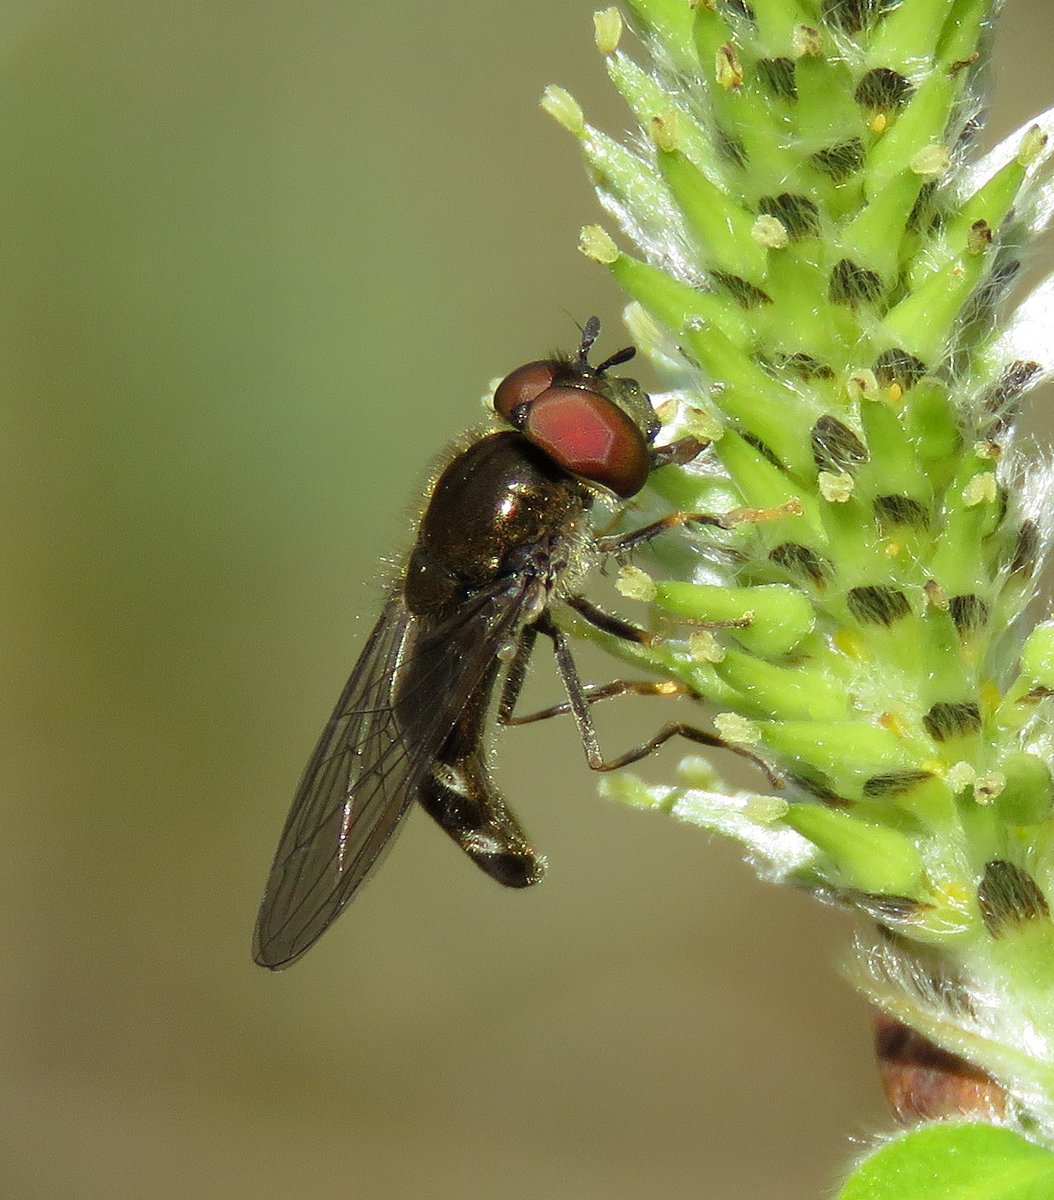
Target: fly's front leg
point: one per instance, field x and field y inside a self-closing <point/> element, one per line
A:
<point x="677" y="453"/>
<point x="619" y="543"/>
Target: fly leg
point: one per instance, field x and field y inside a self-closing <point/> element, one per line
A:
<point x="593" y="692"/>
<point x="578" y="702"/>
<point x="607" y="623"/>
<point x="677" y="453"/>
<point x="619" y="543"/>
<point x="515" y="675"/>
<point x="606" y="691"/>
<point x="604" y="621"/>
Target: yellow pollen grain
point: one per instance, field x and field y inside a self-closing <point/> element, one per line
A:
<point x="597" y="244"/>
<point x="770" y="232"/>
<point x="981" y="489"/>
<point x="979" y="237"/>
<point x="1032" y="146"/>
<point x="644" y="329"/>
<point x="666" y="411"/>
<point x="766" y="810"/>
<point x="698" y="772"/>
<point x="736" y="729"/>
<point x="990" y="696"/>
<point x="565" y="109"/>
<point x="893" y="549"/>
<point x="863" y="384"/>
<point x="664" y="130"/>
<point x="835" y="488"/>
<point x="959" y="777"/>
<point x="953" y="895"/>
<point x="704" y="647"/>
<point x="988" y="787"/>
<point x="930" y="161"/>
<point x="607" y="30"/>
<point x="702" y="424"/>
<point x="879" y="123"/>
<point x="728" y="70"/>
<point x="806" y="41"/>
<point x="894" y="393"/>
<point x="635" y="584"/>
<point x="847" y="643"/>
<point x="894" y="723"/>
<point x="935" y="595"/>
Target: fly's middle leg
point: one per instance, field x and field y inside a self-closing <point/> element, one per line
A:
<point x="580" y="697"/>
<point x="517" y="669"/>
<point x="606" y="691"/>
<point x="578" y="702"/>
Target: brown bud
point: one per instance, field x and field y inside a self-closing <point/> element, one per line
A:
<point x="922" y="1082"/>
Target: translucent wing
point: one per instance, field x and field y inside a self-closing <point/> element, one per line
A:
<point x="403" y="698"/>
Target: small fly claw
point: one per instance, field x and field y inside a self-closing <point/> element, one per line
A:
<point x="503" y="523"/>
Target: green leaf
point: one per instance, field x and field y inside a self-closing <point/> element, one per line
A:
<point x="955" y="1162"/>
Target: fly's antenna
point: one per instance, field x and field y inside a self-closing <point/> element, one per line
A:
<point x="616" y="359"/>
<point x="590" y="333"/>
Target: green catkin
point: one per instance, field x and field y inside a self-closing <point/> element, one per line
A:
<point x="830" y="288"/>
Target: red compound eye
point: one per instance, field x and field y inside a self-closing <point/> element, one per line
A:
<point x="589" y="436"/>
<point x="523" y="385"/>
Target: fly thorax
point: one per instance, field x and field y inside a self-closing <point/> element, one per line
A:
<point x="429" y="587"/>
<point x="575" y="558"/>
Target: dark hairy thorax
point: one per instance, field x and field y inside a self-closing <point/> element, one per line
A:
<point x="500" y="500"/>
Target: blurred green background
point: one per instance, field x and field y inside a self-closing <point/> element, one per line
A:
<point x="258" y="262"/>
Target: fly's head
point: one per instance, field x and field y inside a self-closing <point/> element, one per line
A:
<point x="596" y="426"/>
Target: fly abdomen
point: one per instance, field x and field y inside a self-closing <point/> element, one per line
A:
<point x="461" y="797"/>
<point x="459" y="794"/>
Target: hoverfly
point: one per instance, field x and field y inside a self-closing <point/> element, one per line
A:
<point x="504" y="535"/>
